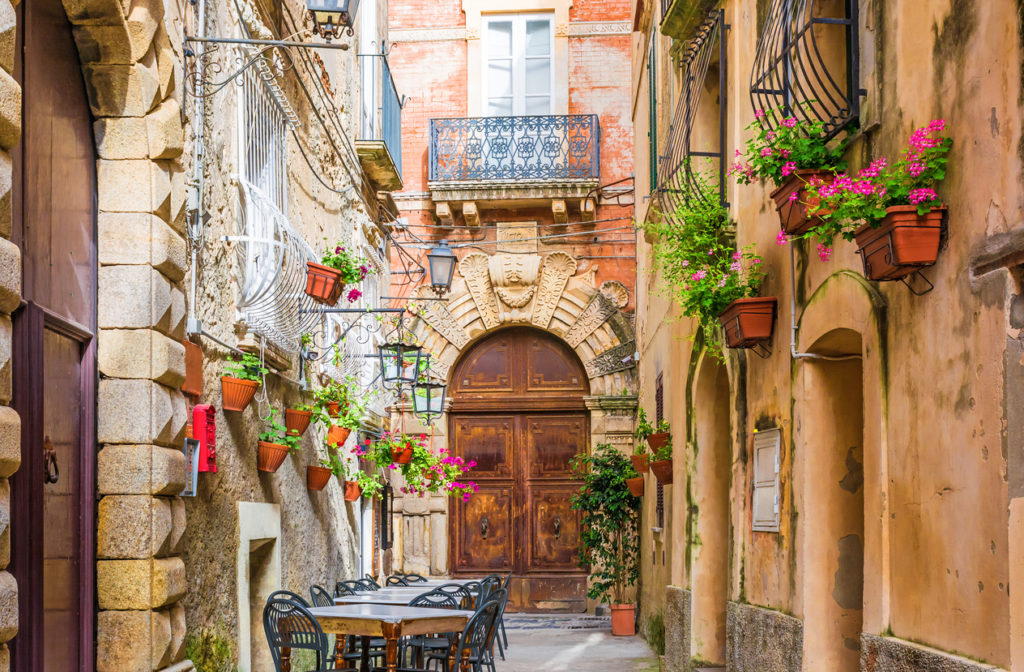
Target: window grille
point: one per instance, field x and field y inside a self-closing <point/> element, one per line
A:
<point x="659" y="415"/>
<point x="798" y="69"/>
<point x="767" y="459"/>
<point x="677" y="169"/>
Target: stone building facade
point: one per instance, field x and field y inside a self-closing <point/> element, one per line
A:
<point x="887" y="422"/>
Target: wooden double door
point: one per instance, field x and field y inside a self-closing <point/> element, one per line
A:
<point x="518" y="412"/>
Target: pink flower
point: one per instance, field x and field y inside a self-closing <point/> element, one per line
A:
<point x="781" y="239"/>
<point x="685" y="263"/>
<point x="917" y="196"/>
<point x="875" y="169"/>
<point x="711" y="252"/>
<point x="737" y="255"/>
<point x="699" y="275"/>
<point x="756" y="261"/>
<point x="354" y="295"/>
<point x="766" y="152"/>
<point x="785" y="153"/>
<point x="789" y="122"/>
<point x="735" y="266"/>
<point x="824" y="253"/>
<point x="793" y="197"/>
<point x="721" y="283"/>
<point x="788" y="168"/>
<point x="759" y="114"/>
<point x="337" y="250"/>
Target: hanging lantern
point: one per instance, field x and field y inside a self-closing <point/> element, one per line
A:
<point x="399" y="362"/>
<point x="330" y="17"/>
<point x="428" y="400"/>
<point x="441" y="261"/>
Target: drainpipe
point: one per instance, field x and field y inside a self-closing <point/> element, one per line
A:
<point x="793" y="328"/>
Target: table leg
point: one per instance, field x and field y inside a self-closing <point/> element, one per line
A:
<point x="452" y="651"/>
<point x="392" y="631"/>
<point x="364" y="662"/>
<point x="339" y="650"/>
<point x="286" y="659"/>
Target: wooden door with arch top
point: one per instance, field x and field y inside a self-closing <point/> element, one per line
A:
<point x="518" y="411"/>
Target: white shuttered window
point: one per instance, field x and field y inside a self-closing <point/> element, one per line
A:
<point x="518" y="72"/>
<point x="767" y="461"/>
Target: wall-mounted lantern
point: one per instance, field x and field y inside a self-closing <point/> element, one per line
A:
<point x="441" y="261"/>
<point x="399" y="362"/>
<point x="428" y="400"/>
<point x="331" y="17"/>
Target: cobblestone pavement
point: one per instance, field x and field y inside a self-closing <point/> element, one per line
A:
<point x="577" y="643"/>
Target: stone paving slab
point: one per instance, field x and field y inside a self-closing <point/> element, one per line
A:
<point x="555" y="648"/>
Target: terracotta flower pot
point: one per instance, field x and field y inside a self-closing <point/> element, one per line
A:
<point x="270" y="456"/>
<point x="658" y="440"/>
<point x="747" y="322"/>
<point x="639" y="463"/>
<point x="296" y="421"/>
<point x="623" y="620"/>
<point x="636" y="486"/>
<point x="793" y="212"/>
<point x="317" y="478"/>
<point x="236" y="393"/>
<point x="323" y="283"/>
<point x="352" y="491"/>
<point x="401" y="455"/>
<point x="662" y="470"/>
<point x="333" y="409"/>
<point x="902" y="244"/>
<point x="337" y="435"/>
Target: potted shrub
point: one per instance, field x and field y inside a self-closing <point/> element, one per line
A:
<point x="704" y="270"/>
<point x="788" y="152"/>
<point x="609" y="532"/>
<point x="443" y="473"/>
<point x="326" y="281"/>
<point x="639" y="457"/>
<point x="331" y="464"/>
<point x="348" y="419"/>
<point x="332" y="398"/>
<point x="297" y="419"/>
<point x="661" y="462"/>
<point x="893" y="212"/>
<point x="635" y="480"/>
<point x="274" y="445"/>
<point x="239" y="382"/>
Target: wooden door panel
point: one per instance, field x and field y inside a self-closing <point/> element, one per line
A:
<point x="554" y="531"/>
<point x="551" y="443"/>
<point x="490" y="441"/>
<point x="551" y="366"/>
<point x="486" y="525"/>
<point x="490" y="368"/>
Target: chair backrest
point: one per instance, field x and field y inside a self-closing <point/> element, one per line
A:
<point x="288" y="595"/>
<point x="370" y="579"/>
<point x="489" y="585"/>
<point x="341" y="590"/>
<point x="499" y="597"/>
<point x="321" y="598"/>
<point x="458" y="591"/>
<point x="435" y="600"/>
<point x="478" y="633"/>
<point x="355" y="585"/>
<point x="414" y="578"/>
<point x="508" y="580"/>
<point x="397" y="580"/>
<point x="368" y="585"/>
<point x="290" y="626"/>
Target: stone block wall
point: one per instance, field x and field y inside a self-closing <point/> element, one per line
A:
<point x="678" y="612"/>
<point x="888" y="654"/>
<point x="763" y="640"/>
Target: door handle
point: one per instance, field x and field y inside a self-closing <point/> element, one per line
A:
<point x="51" y="472"/>
<point x="483" y="527"/>
<point x="558" y="527"/>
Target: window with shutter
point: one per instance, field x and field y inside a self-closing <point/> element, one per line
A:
<point x="767" y="497"/>
<point x="518" y="72"/>
<point x="659" y="413"/>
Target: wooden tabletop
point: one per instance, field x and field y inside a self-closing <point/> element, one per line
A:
<point x="379" y="597"/>
<point x="371" y="619"/>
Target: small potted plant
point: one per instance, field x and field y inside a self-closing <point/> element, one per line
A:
<point x="274" y="445"/>
<point x="332" y="398"/>
<point x="297" y="419"/>
<point x="635" y="480"/>
<point x="326" y="281"/>
<point x="319" y="475"/>
<point x="442" y="473"/>
<point x="661" y="458"/>
<point x="239" y="382"/>
<point x="340" y="425"/>
<point x="789" y="152"/>
<point x="365" y="485"/>
<point x="639" y="457"/>
<point x="609" y="532"/>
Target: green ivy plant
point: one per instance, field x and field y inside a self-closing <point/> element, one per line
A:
<point x="249" y="367"/>
<point x="278" y="433"/>
<point x="334" y="462"/>
<point x="371" y="484"/>
<point x="609" y="536"/>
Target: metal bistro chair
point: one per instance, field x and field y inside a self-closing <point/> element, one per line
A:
<point x="431" y="643"/>
<point x="371" y="580"/>
<point x="354" y="585"/>
<point x="321" y="598"/>
<point x="414" y="578"/>
<point x="501" y="619"/>
<point x="473" y="641"/>
<point x="487" y="587"/>
<point x="289" y="627"/>
<point x="288" y="595"/>
<point x="460" y="591"/>
<point x="396" y="580"/>
<point x="369" y="585"/>
<point x="341" y="590"/>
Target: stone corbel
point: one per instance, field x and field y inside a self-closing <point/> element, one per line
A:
<point x="471" y="214"/>
<point x="444" y="214"/>
<point x="588" y="208"/>
<point x="559" y="211"/>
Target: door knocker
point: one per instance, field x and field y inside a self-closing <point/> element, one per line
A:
<point x="558" y="527"/>
<point x="483" y="527"/>
<point x="50" y="469"/>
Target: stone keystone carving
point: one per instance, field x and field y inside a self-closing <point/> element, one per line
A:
<point x="514" y="278"/>
<point x="558" y="268"/>
<point x="436" y="314"/>
<point x="610" y="360"/>
<point x="475" y="269"/>
<point x="596" y="313"/>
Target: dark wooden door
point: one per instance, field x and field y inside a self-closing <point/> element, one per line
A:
<point x="54" y="225"/>
<point x="518" y="411"/>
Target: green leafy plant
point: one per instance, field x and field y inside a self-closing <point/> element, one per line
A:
<point x="370" y="484"/>
<point x="703" y="269"/>
<point x="663" y="453"/>
<point x="249" y="367"/>
<point x="351" y="405"/>
<point x="609" y="516"/>
<point x="334" y="462"/>
<point x="353" y="268"/>
<point x="644" y="428"/>
<point x="278" y="433"/>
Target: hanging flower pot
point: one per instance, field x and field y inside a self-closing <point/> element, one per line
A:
<point x="793" y="209"/>
<point x="657" y="441"/>
<point x="323" y="283"/>
<point x="662" y="470"/>
<point x="636" y="486"/>
<point x="317" y="478"/>
<point x="270" y="456"/>
<point x="337" y="435"/>
<point x="333" y="408"/>
<point x="749" y="321"/>
<point x="352" y="491"/>
<point x="903" y="243"/>
<point x="236" y="393"/>
<point x="639" y="463"/>
<point x="296" y="421"/>
<point x="401" y="455"/>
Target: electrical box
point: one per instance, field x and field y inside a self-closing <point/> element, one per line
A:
<point x="204" y="430"/>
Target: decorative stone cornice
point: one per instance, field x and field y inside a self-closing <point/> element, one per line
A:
<point x="599" y="28"/>
<point x="510" y="190"/>
<point x="428" y="34"/>
<point x="622" y="403"/>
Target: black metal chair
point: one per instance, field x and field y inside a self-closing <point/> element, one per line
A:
<point x="321" y="598"/>
<point x="414" y="578"/>
<point x="290" y="627"/>
<point x="369" y="585"/>
<point x="354" y="585"/>
<point x="463" y="594"/>
<point x="396" y="580"/>
<point x="501" y="619"/>
<point x="431" y="644"/>
<point x="341" y="590"/>
<point x="288" y="595"/>
<point x="373" y="581"/>
<point x="474" y="640"/>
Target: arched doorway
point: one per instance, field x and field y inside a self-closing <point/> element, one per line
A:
<point x="518" y="410"/>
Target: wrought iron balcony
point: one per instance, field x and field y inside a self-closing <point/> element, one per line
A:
<point x="552" y="153"/>
<point x="380" y="132"/>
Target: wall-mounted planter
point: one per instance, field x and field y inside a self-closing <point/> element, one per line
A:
<point x="333" y="409"/>
<point x="323" y="283"/>
<point x="658" y="440"/>
<point x="296" y="421"/>
<point x="336" y="435"/>
<point x="270" y="456"/>
<point x="317" y="478"/>
<point x="662" y="470"/>
<point x="639" y="463"/>
<point x="236" y="393"/>
<point x="636" y="486"/>
<point x="904" y="243"/>
<point x="352" y="491"/>
<point x="793" y="215"/>
<point x="748" y="322"/>
<point x="401" y="455"/>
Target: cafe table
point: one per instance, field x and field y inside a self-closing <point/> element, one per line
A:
<point x="380" y="597"/>
<point x="390" y="622"/>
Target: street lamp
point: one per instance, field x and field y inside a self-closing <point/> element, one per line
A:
<point x="428" y="400"/>
<point x="330" y="17"/>
<point x="441" y="261"/>
<point x="399" y="362"/>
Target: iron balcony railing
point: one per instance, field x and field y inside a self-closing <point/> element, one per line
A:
<point x="382" y="112"/>
<point x="540" y="148"/>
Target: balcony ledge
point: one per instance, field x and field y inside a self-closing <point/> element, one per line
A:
<point x="683" y="17"/>
<point x="499" y="192"/>
<point x="378" y="165"/>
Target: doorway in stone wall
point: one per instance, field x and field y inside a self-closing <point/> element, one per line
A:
<point x="54" y="379"/>
<point x="518" y="410"/>
<point x="830" y="417"/>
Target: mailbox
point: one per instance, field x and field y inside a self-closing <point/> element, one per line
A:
<point x="204" y="429"/>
